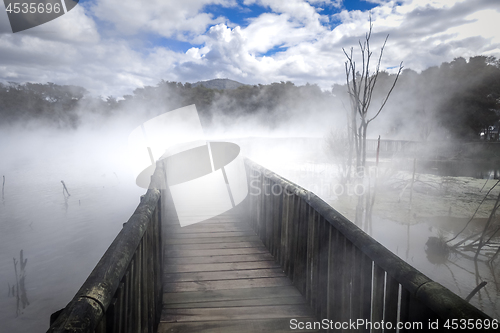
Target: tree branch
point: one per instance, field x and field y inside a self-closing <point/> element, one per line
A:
<point x="389" y="93"/>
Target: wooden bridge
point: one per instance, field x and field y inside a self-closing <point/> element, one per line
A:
<point x="280" y="260"/>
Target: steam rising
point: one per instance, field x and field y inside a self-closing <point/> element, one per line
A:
<point x="85" y="143"/>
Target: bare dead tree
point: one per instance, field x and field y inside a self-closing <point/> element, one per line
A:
<point x="360" y="87"/>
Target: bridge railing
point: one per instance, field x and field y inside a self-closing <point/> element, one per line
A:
<point x="124" y="291"/>
<point x="394" y="146"/>
<point x="344" y="274"/>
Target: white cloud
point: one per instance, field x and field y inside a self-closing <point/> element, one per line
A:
<point x="297" y="9"/>
<point x="481" y="24"/>
<point x="272" y="30"/>
<point x="178" y="19"/>
<point x="76" y="50"/>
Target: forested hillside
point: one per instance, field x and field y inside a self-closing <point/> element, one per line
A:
<point x="455" y="100"/>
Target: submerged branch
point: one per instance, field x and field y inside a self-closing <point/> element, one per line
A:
<point x="467" y="224"/>
<point x="475" y="291"/>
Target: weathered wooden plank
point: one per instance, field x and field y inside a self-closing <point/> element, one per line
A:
<point x="309" y="264"/>
<point x="391" y="302"/>
<point x="225" y="220"/>
<point x="285" y="217"/>
<point x="300" y="271"/>
<point x="215" y="252"/>
<point x="216" y="227"/>
<point x="365" y="293"/>
<point x="293" y="235"/>
<point x="356" y="286"/>
<point x="221" y="219"/>
<point x="378" y="294"/>
<point x="203" y="246"/>
<point x="121" y="309"/>
<point x="277" y="325"/>
<point x="206" y="240"/>
<point x="226" y="284"/>
<point x="323" y="264"/>
<point x="239" y="217"/>
<point x="336" y="290"/>
<point x="288" y="300"/>
<point x="268" y="220"/>
<point x="220" y="259"/>
<point x="261" y="211"/>
<point x="247" y="312"/>
<point x="223" y="275"/>
<point x="230" y="294"/>
<point x="209" y="234"/>
<point x="208" y="223"/>
<point x="277" y="211"/>
<point x="220" y="266"/>
<point x="404" y="308"/>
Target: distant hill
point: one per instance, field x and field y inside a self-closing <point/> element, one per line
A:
<point x="221" y="84"/>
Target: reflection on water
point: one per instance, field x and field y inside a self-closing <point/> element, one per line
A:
<point x="437" y="250"/>
<point x="480" y="170"/>
<point x="454" y="270"/>
<point x="20" y="291"/>
<point x="490" y="174"/>
<point x="437" y="254"/>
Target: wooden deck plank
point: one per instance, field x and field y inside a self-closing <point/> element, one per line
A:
<point x="173" y="219"/>
<point x="215" y="252"/>
<point x="279" y="325"/>
<point x="218" y="245"/>
<point x="226" y="284"/>
<point x="230" y="295"/>
<point x="216" y="227"/>
<point x="208" y="234"/>
<point x="220" y="259"/>
<point x="289" y="300"/>
<point x="224" y="275"/>
<point x="234" y="313"/>
<point x="220" y="266"/>
<point x="209" y="222"/>
<point x="207" y="240"/>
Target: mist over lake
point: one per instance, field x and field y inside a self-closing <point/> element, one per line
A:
<point x="61" y="237"/>
<point x="407" y="148"/>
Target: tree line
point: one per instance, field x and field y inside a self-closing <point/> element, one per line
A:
<point x="455" y="100"/>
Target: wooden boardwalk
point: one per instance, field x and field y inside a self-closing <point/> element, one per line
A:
<point x="219" y="277"/>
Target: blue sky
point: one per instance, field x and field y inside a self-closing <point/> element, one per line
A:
<point x="241" y="15"/>
<point x="112" y="47"/>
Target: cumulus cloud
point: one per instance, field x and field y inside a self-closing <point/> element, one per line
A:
<point x="178" y="19"/>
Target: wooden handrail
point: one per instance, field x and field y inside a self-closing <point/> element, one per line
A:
<point x="343" y="272"/>
<point x="124" y="291"/>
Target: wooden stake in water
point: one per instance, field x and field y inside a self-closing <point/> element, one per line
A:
<point x="412" y="180"/>
<point x="64" y="188"/>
